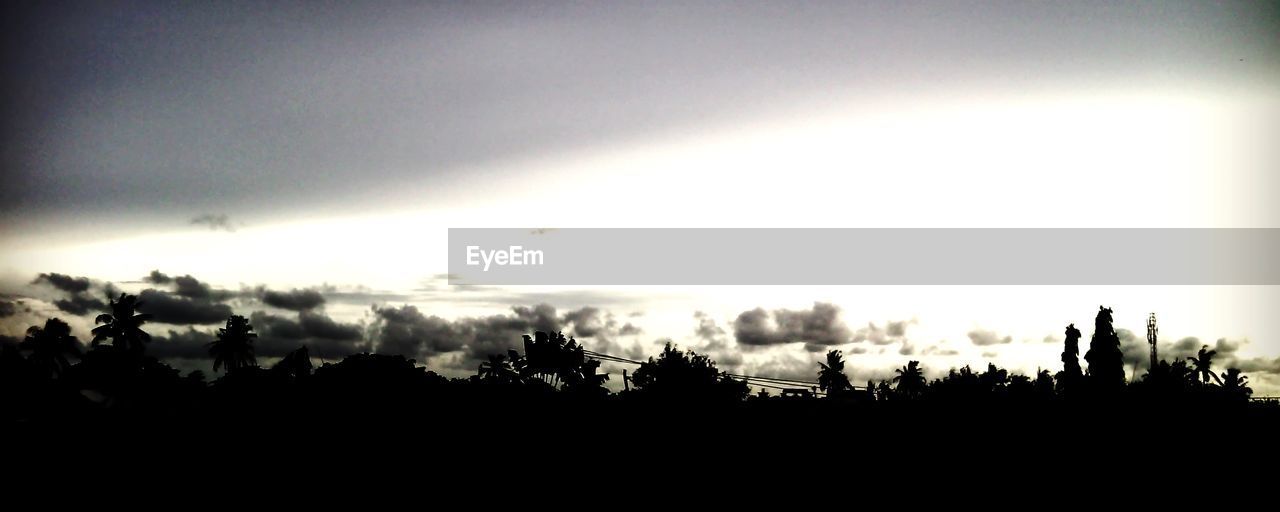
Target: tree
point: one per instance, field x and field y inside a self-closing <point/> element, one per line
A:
<point x="831" y="377"/>
<point x="497" y="369"/>
<point x="50" y="347"/>
<point x="123" y="326"/>
<point x="1235" y="384"/>
<point x="1106" y="362"/>
<point x="1071" y="372"/>
<point x="1201" y="363"/>
<point x="910" y="379"/>
<point x="296" y="364"/>
<point x="690" y="376"/>
<point x="233" y="346"/>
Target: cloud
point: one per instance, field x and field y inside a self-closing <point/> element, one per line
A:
<point x="820" y="325"/>
<point x="188" y="344"/>
<point x="157" y="277"/>
<point x="1258" y="365"/>
<point x="80" y="305"/>
<point x="984" y="338"/>
<point x="629" y="330"/>
<point x="892" y="332"/>
<point x="935" y="350"/>
<point x="586" y="321"/>
<point x="715" y="342"/>
<point x="188" y="286"/>
<point x="1136" y="351"/>
<point x="179" y="310"/>
<point x="218" y="222"/>
<point x="279" y="335"/>
<point x="406" y="331"/>
<point x="294" y="300"/>
<point x="8" y="309"/>
<point x="64" y="282"/>
<point x="77" y="301"/>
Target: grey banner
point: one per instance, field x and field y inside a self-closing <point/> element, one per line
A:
<point x="594" y="256"/>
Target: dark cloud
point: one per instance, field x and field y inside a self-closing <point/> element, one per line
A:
<point x="181" y="310"/>
<point x="586" y="321"/>
<point x="11" y="308"/>
<point x="1258" y="365"/>
<point x="218" y="222"/>
<point x="498" y="333"/>
<point x="406" y="331"/>
<point x="80" y="305"/>
<point x="78" y="301"/>
<point x="629" y="330"/>
<point x="820" y="325"/>
<point x="294" y="300"/>
<point x="64" y="282"/>
<point x="189" y="287"/>
<point x="157" y="277"/>
<point x="984" y="338"/>
<point x="278" y="335"/>
<point x="318" y="325"/>
<point x="188" y="344"/>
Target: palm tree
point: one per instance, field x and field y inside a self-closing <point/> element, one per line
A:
<point x="1235" y="383"/>
<point x="1201" y="364"/>
<point x="496" y="369"/>
<point x="831" y="377"/>
<point x="910" y="379"/>
<point x="122" y="326"/>
<point x="50" y="346"/>
<point x="233" y="347"/>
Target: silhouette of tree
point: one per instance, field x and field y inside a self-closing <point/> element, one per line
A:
<point x="123" y="326"/>
<point x="1044" y="384"/>
<point x="553" y="359"/>
<point x="677" y="375"/>
<point x="50" y="346"/>
<point x="497" y="369"/>
<point x="233" y="346"/>
<point x="1106" y="362"/>
<point x="1071" y="373"/>
<point x="910" y="379"/>
<point x="1235" y="384"/>
<point x="831" y="377"/>
<point x="994" y="379"/>
<point x="296" y="364"/>
<point x="1201" y="363"/>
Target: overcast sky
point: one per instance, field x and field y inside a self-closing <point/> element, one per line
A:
<point x="323" y="143"/>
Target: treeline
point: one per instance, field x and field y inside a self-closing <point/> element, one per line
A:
<point x="47" y="376"/>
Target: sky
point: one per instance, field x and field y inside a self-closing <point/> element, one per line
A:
<point x="258" y="156"/>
